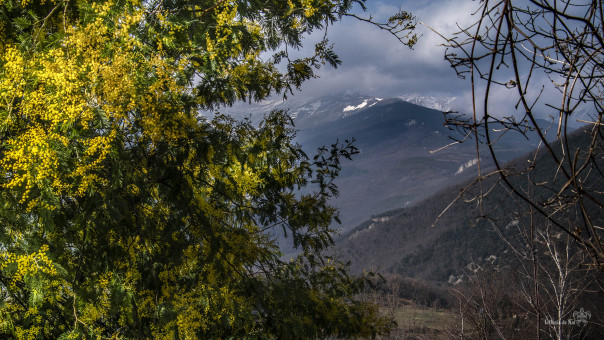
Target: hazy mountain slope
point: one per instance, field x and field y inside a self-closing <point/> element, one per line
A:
<point x="406" y="242"/>
<point x="397" y="165"/>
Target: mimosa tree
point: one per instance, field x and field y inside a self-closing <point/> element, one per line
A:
<point x="126" y="214"/>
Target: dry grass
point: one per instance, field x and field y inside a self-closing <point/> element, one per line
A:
<point x="418" y="322"/>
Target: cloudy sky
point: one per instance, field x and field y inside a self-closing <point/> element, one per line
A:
<point x="375" y="63"/>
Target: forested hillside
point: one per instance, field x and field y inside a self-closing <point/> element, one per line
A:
<point x="474" y="255"/>
<point x="416" y="242"/>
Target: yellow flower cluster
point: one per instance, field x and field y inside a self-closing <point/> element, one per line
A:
<point x="202" y="308"/>
<point x="23" y="266"/>
<point x="226" y="14"/>
<point x="66" y="107"/>
<point x="309" y="8"/>
<point x="221" y="45"/>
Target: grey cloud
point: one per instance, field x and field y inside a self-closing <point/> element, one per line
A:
<point x="375" y="63"/>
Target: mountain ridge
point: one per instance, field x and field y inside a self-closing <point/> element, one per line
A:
<point x="397" y="165"/>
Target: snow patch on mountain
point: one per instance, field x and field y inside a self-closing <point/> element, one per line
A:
<point x="353" y="108"/>
<point x="436" y="103"/>
<point x="467" y="165"/>
<point x="315" y="106"/>
<point x="310" y="109"/>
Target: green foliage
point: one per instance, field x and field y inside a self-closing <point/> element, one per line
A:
<point x="127" y="215"/>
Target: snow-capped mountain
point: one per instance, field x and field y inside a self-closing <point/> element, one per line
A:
<point x="396" y="165"/>
<point x="442" y="104"/>
<point x="307" y="112"/>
